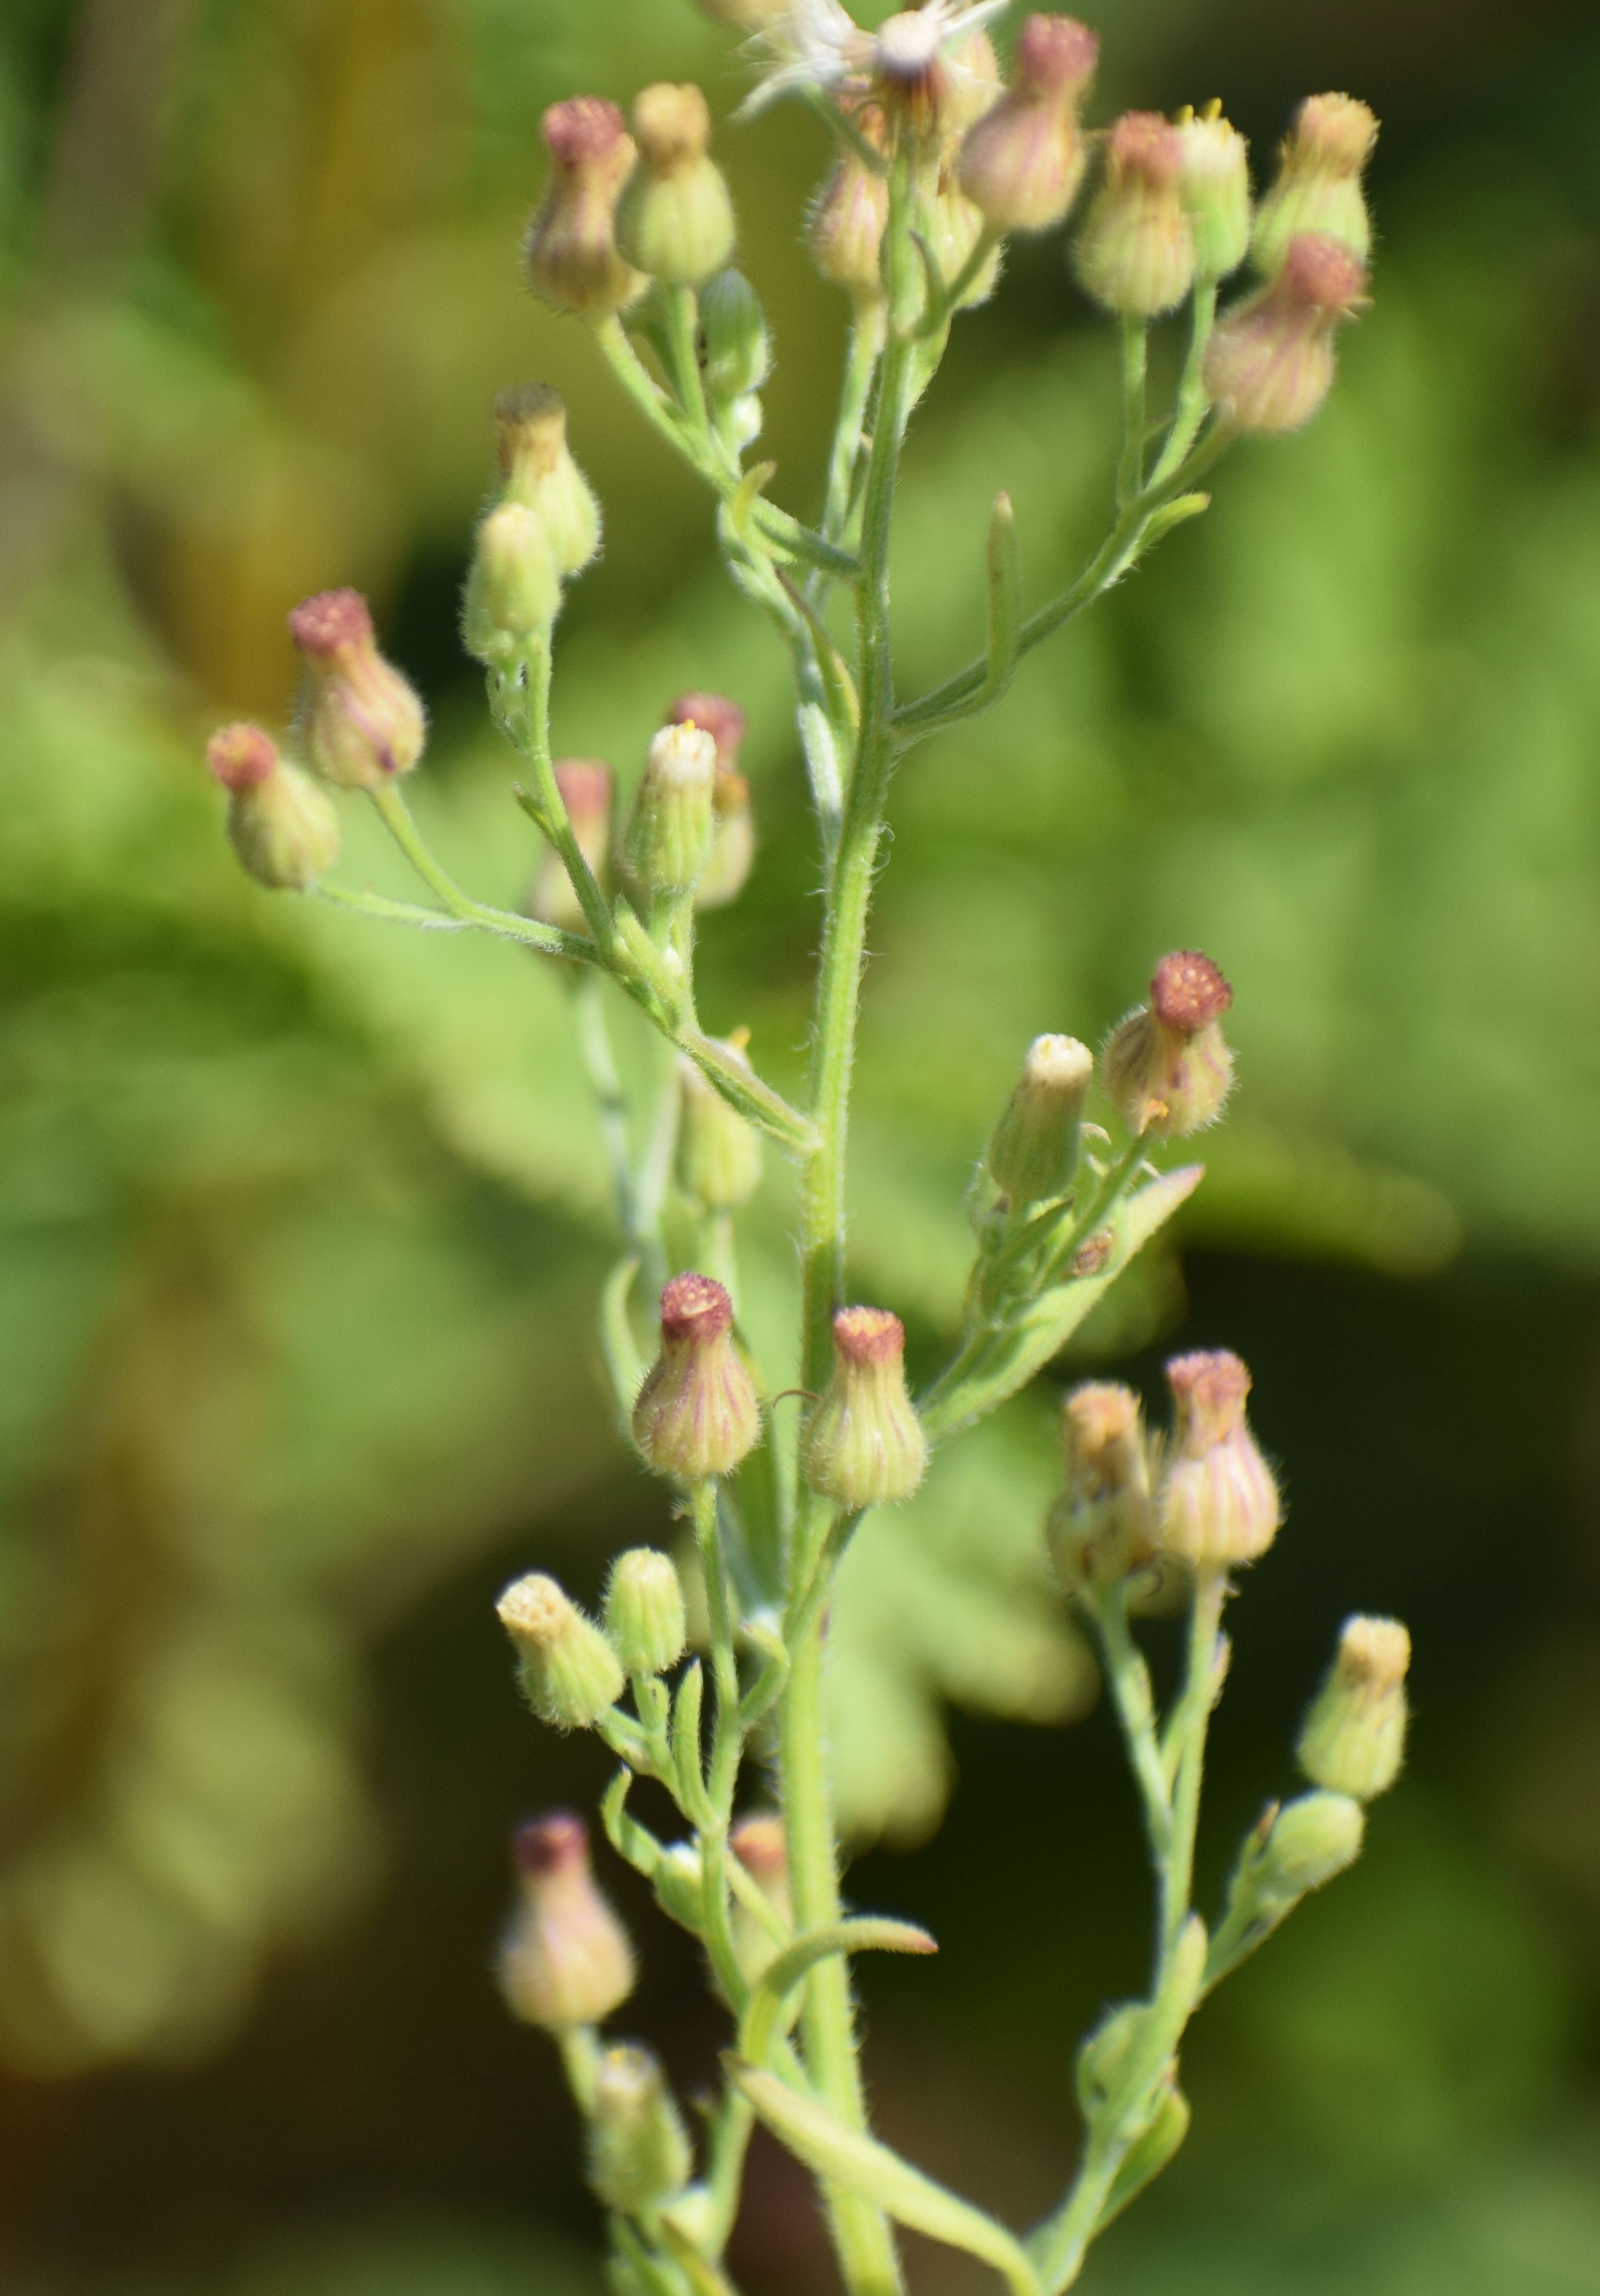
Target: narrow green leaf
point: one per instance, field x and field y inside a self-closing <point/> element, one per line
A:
<point x="866" y="1934"/>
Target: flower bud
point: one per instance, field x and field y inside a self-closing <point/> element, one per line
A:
<point x="536" y="462"/>
<point x="697" y="1414"/>
<point x="669" y="832"/>
<point x="1136" y="249"/>
<point x="1353" y="1740"/>
<point x="283" y="830"/>
<point x="1218" y="1504"/>
<point x="1103" y="1527"/>
<point x="863" y="1444"/>
<point x="1215" y="182"/>
<point x="1033" y="1152"/>
<point x="566" y="1669"/>
<point x="645" y="1620"/>
<point x="738" y="350"/>
<point x="679" y="1885"/>
<point x="733" y="824"/>
<point x="639" y="2155"/>
<point x="570" y="254"/>
<point x="566" y="1961"/>
<point x="1021" y="164"/>
<point x="675" y="221"/>
<point x="928" y="87"/>
<point x="361" y="724"/>
<point x="512" y="593"/>
<point x="1319" y="185"/>
<point x="954" y="226"/>
<point x="1270" y="364"/>
<point x="718" y="1151"/>
<point x="845" y="227"/>
<point x="585" y="787"/>
<point x="757" y="1842"/>
<point x="1167" y="1066"/>
<point x="1311" y="1839"/>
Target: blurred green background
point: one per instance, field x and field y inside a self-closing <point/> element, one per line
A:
<point x="300" y="1223"/>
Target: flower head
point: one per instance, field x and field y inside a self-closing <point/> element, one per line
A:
<point x="566" y="1960"/>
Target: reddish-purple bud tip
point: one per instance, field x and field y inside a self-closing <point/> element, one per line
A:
<point x="1321" y="275"/>
<point x="869" y="1335"/>
<point x="1209" y="1386"/>
<point x="696" y="1308"/>
<point x="756" y="1842"/>
<point x="714" y="715"/>
<point x="583" y="129"/>
<point x="1054" y="54"/>
<point x="330" y="623"/>
<point x="555" y="1843"/>
<point x="585" y="787"/>
<point x="1188" y="992"/>
<point x="1143" y="143"/>
<point x="241" y="757"/>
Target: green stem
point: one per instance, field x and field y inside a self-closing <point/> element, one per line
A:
<point x="1128" y="1678"/>
<point x="610" y="1102"/>
<point x="548" y="940"/>
<point x="1193" y="398"/>
<point x="1136" y="362"/>
<point x="682" y="338"/>
<point x="861" y="364"/>
<point x="1185" y="1756"/>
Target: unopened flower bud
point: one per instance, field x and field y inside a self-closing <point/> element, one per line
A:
<point x="718" y="1151"/>
<point x="283" y="830"/>
<point x="512" y="593"/>
<point x="585" y="787"/>
<point x="1215" y="182"/>
<point x="566" y="1961"/>
<point x="536" y="462"/>
<point x="1319" y="185"/>
<point x="1311" y="1839"/>
<point x="669" y="832"/>
<point x="675" y="221"/>
<point x="639" y="2155"/>
<point x="680" y="1884"/>
<point x="738" y="350"/>
<point x="1218" y="1504"/>
<point x="863" y="1444"/>
<point x="954" y="226"/>
<point x="757" y="1842"/>
<point x="1021" y="164"/>
<point x="1136" y="249"/>
<point x="361" y="724"/>
<point x="1271" y="361"/>
<point x="567" y="1670"/>
<point x="845" y="227"/>
<point x="697" y="1414"/>
<point x="570" y="254"/>
<point x="645" y="1620"/>
<point x="1167" y="1067"/>
<point x="1033" y="1152"/>
<point x="1353" y="1740"/>
<point x="1103" y="1527"/>
<point x="976" y="82"/>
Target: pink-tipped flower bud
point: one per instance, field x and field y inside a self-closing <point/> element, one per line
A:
<point x="1215" y="181"/>
<point x="1033" y="1152"/>
<point x="1021" y="164"/>
<point x="361" y="724"/>
<point x="512" y="593"/>
<point x="1136" y="249"/>
<point x="675" y="221"/>
<point x="1103" y="1527"/>
<point x="537" y="464"/>
<point x="697" y="1414"/>
<point x="587" y="788"/>
<point x="1318" y="184"/>
<point x="716" y="715"/>
<point x="1271" y="362"/>
<point x="1353" y="1740"/>
<point x="570" y="255"/>
<point x="645" y="1620"/>
<point x="718" y="1151"/>
<point x="566" y="1961"/>
<point x="639" y="2152"/>
<point x="566" y="1669"/>
<point x="845" y="227"/>
<point x="1167" y="1067"/>
<point x="757" y="1842"/>
<point x="670" y="828"/>
<point x="733" y="823"/>
<point x="1218" y="1504"/>
<point x="283" y="829"/>
<point x="863" y="1443"/>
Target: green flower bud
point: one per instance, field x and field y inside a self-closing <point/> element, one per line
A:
<point x="680" y="1886"/>
<point x="1311" y="1839"/>
<point x="1136" y="249"/>
<point x="360" y="723"/>
<point x="1215" y="182"/>
<point x="1218" y="1504"/>
<point x="1033" y="1152"/>
<point x="757" y="1842"/>
<point x="644" y="1612"/>
<point x="566" y="1961"/>
<point x="738" y="350"/>
<point x="1103" y="1527"/>
<point x="733" y="825"/>
<point x="283" y="830"/>
<point x="718" y="1151"/>
<point x="1271" y="362"/>
<point x="536" y="462"/>
<point x="1167" y="1066"/>
<point x="570" y="254"/>
<point x="697" y="1414"/>
<point x="1021" y="164"/>
<point x="669" y="832"/>
<point x="585" y="787"/>
<point x="954" y="227"/>
<point x="863" y="1444"/>
<point x="513" y="590"/>
<point x="639" y="2154"/>
<point x="1318" y="184"/>
<point x="675" y="221"/>
<point x="1353" y="1741"/>
<point x="845" y="227"/>
<point x="567" y="1670"/>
